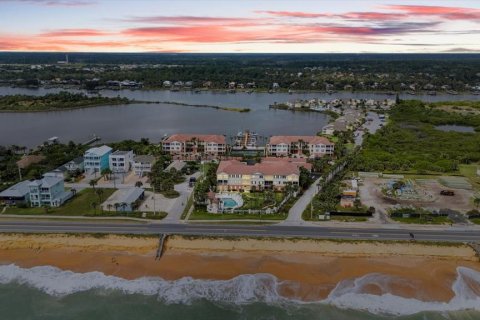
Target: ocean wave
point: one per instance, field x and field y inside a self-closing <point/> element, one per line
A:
<point x="247" y="289"/>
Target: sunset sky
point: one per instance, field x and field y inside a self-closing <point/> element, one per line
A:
<point x="240" y="26"/>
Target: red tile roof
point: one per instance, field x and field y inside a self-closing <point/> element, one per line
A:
<point x="269" y="166"/>
<point x="201" y="137"/>
<point x="290" y="139"/>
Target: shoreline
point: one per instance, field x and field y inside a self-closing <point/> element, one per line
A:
<point x="258" y="90"/>
<point x="306" y="269"/>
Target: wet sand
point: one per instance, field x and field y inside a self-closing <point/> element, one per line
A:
<point x="309" y="273"/>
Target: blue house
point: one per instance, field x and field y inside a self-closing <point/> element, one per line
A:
<point x="48" y="191"/>
<point x="96" y="159"/>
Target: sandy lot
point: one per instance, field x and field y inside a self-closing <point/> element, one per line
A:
<point x="371" y="195"/>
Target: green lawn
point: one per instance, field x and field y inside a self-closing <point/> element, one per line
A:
<point x="256" y="200"/>
<point x="470" y="171"/>
<point x="435" y="220"/>
<point x="202" y="215"/>
<point x="475" y="220"/>
<point x="348" y="218"/>
<point x="79" y="205"/>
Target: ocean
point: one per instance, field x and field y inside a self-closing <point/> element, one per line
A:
<point x="47" y="292"/>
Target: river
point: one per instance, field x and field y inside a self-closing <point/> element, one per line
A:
<point x="153" y="121"/>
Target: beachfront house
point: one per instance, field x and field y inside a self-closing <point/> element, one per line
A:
<point x="194" y="144"/>
<point x="96" y="159"/>
<point x="16" y="194"/>
<point x="291" y="146"/>
<point x="48" y="191"/>
<point x="142" y="164"/>
<point x="121" y="161"/>
<point x="75" y="165"/>
<point x="271" y="173"/>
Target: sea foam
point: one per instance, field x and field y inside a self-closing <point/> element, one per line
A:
<point x="246" y="289"/>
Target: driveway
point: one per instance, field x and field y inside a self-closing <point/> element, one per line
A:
<point x="174" y="207"/>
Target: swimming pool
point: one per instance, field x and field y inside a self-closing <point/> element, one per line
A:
<point x="229" y="203"/>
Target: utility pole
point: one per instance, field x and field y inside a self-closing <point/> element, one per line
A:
<point x="153" y="185"/>
<point x="311" y="209"/>
<point x="20" y="173"/>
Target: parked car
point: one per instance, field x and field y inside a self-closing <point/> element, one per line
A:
<point x="447" y="193"/>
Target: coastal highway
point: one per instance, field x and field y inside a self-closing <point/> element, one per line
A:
<point x="451" y="235"/>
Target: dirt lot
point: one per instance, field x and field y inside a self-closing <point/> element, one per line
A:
<point x="371" y="195"/>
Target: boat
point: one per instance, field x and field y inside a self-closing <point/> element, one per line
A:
<point x="452" y="92"/>
<point x="432" y="93"/>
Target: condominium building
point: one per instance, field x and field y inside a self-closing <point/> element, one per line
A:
<point x="271" y="173"/>
<point x="308" y="146"/>
<point x="121" y="161"/>
<point x="192" y="144"/>
<point x="48" y="191"/>
<point x="96" y="159"/>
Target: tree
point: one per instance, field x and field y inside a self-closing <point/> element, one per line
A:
<point x="99" y="193"/>
<point x="106" y="173"/>
<point x="476" y="201"/>
<point x="109" y="207"/>
<point x="357" y="203"/>
<point x="93" y="183"/>
<point x="305" y="179"/>
<point x="138" y="184"/>
<point x="94" y="207"/>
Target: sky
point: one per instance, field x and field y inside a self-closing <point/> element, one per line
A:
<point x="272" y="26"/>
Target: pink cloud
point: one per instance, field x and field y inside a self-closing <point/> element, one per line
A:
<point x="74" y="33"/>
<point x="58" y="3"/>
<point x="451" y="13"/>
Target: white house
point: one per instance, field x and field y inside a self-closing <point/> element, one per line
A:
<point x="121" y="161"/>
<point x="48" y="191"/>
<point x="74" y="165"/>
<point x="142" y="164"/>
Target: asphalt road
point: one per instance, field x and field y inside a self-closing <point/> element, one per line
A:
<point x="240" y="230"/>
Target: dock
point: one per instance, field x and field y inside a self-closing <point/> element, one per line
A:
<point x="161" y="246"/>
<point x="92" y="140"/>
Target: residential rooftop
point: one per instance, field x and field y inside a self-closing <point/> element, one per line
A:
<point x="291" y="139"/>
<point x="16" y="191"/>
<point x="265" y="167"/>
<point x="219" y="139"/>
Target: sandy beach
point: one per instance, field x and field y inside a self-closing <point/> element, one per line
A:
<point x="308" y="269"/>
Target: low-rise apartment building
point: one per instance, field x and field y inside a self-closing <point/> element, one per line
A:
<point x="309" y="146"/>
<point x="193" y="144"/>
<point x="96" y="159"/>
<point x="48" y="191"/>
<point x="142" y="164"/>
<point x="121" y="161"/>
<point x="273" y="174"/>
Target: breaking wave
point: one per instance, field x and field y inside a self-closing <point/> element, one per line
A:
<point x="246" y="289"/>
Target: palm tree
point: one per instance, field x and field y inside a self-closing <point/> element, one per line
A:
<point x="124" y="206"/>
<point x="93" y="183"/>
<point x="100" y="194"/>
<point x="109" y="207"/>
<point x="94" y="206"/>
<point x="106" y="173"/>
<point x="116" y="205"/>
